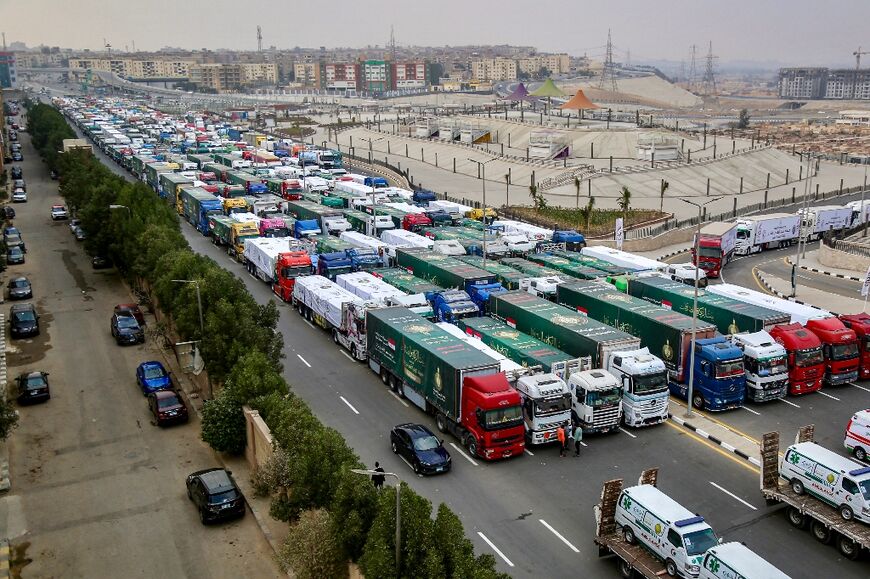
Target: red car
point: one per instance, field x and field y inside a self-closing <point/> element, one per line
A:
<point x="167" y="407"/>
<point x="131" y="310"/>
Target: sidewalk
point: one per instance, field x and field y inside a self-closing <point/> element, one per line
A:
<point x="731" y="440"/>
<point x="811" y="263"/>
<point x="834" y="303"/>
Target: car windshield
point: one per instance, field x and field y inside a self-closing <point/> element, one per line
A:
<point x="810" y="357"/>
<point x="504" y="417"/>
<point x="35" y="382"/>
<point x="603" y="397"/>
<point x="651" y="383"/>
<point x="700" y="542"/>
<point x="864" y="485"/>
<point x="16" y="283"/>
<point x="844" y="351"/>
<point x="15" y="250"/>
<point x="25" y="316"/>
<point x="167" y="402"/>
<point x="127" y="322"/>
<point x="426" y="443"/>
<point x="772" y="366"/>
<point x="222" y="497"/>
<point x="290" y="272"/>
<point x="153" y="372"/>
<point x="729" y="368"/>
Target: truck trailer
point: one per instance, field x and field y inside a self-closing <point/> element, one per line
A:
<point x="715" y="247"/>
<point x="771" y="231"/>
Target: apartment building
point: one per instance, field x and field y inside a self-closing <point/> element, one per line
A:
<point x="824" y="83"/>
<point x="341" y="76"/>
<point x="555" y="63"/>
<point x="408" y="75"/>
<point x="8" y="73"/>
<point x="494" y="69"/>
<point x="136" y="68"/>
<point x="307" y="74"/>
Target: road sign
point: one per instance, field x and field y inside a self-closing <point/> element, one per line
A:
<point x="865" y="289"/>
<point x="620" y="234"/>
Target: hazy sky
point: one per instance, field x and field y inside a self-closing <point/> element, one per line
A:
<point x="788" y="31"/>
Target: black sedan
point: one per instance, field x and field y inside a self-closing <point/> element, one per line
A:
<point x="33" y="387"/>
<point x="420" y="448"/>
<point x="167" y="407"/>
<point x="215" y="495"/>
<point x="14" y="255"/>
<point x="19" y="288"/>
<point x="126" y="330"/>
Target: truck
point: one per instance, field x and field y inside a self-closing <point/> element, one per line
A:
<point x="305" y="228"/>
<point x="232" y="205"/>
<point x="407" y="282"/>
<point x="323" y="303"/>
<point x="404" y="219"/>
<point x="596" y="401"/>
<point x="766" y="366"/>
<point x="623" y="259"/>
<point x="404" y="238"/>
<point x="374" y="225"/>
<point x="715" y="247"/>
<point x="761" y="232"/>
<point x="806" y="361"/>
<point x="332" y="264"/>
<point x="572" y="240"/>
<point x="560" y="327"/>
<point x="274" y="227"/>
<point x="511" y="370"/>
<point x="580" y="267"/>
<point x="544" y="287"/>
<point x="506" y="276"/>
<point x="816" y="221"/>
<point x="374" y="290"/>
<point x="443" y="376"/>
<point x="289" y="189"/>
<point x="278" y="262"/>
<point x="644" y="382"/>
<point x="805" y="509"/>
<point x="860" y="324"/>
<point x="170" y="184"/>
<point x="363" y="241"/>
<point x="719" y="381"/>
<point x="331" y="220"/>
<point x="198" y="205"/>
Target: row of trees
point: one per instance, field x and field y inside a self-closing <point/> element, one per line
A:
<point x="334" y="514"/>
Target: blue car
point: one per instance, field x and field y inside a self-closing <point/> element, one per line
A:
<point x="152" y="377"/>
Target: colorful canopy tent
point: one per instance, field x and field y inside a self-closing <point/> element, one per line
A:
<point x="579" y="102"/>
<point x="548" y="90"/>
<point x="520" y="94"/>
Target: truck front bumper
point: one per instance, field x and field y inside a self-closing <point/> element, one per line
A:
<point x="839" y="379"/>
<point x="767" y="394"/>
<point x="716" y="404"/>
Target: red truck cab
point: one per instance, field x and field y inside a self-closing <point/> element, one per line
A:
<point x="492" y="415"/>
<point x="806" y="362"/>
<point x="840" y="347"/>
<point x="288" y="267"/>
<point x="711" y="259"/>
<point x="291" y="189"/>
<point x="415" y="221"/>
<point x="860" y="324"/>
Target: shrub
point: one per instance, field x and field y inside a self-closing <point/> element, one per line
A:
<point x="310" y="549"/>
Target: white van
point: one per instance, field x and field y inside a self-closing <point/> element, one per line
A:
<point x="672" y="532"/>
<point x="731" y="560"/>
<point x="834" y="479"/>
<point x="858" y="434"/>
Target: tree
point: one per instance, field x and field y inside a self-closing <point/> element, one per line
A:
<point x="662" y="188"/>
<point x="354" y="507"/>
<point x="624" y="203"/>
<point x="223" y="425"/>
<point x="586" y="213"/>
<point x="310" y="549"/>
<point x="8" y="418"/>
<point x="743" y="119"/>
<point x="538" y="199"/>
<point x="253" y="375"/>
<point x="577" y="188"/>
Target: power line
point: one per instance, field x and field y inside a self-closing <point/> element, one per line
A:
<point x="709" y="73"/>
<point x="608" y="71"/>
<point x="692" y="69"/>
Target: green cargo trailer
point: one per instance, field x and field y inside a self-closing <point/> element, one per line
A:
<point x="329" y="243"/>
<point x="730" y="316"/>
<point x="358" y="220"/>
<point x="443" y="270"/>
<point x="225" y="159"/>
<point x="530" y="268"/>
<point x="221" y="228"/>
<point x="303" y="210"/>
<point x="216" y="168"/>
<point x="199" y="158"/>
<point x="242" y="178"/>
<point x="407" y="282"/>
<point x="153" y="171"/>
<point x="519" y="347"/>
<point x="171" y="184"/>
<point x="560" y="327"/>
<point x="507" y="276"/>
<point x="588" y="261"/>
<point x="428" y="359"/>
<point x="666" y="333"/>
<point x="566" y="266"/>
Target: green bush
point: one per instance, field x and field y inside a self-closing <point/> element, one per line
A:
<point x="310" y="549"/>
<point x="223" y="425"/>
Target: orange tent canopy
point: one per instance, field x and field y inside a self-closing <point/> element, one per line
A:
<point x="579" y="102"/>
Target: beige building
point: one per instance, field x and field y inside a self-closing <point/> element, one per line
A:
<point x="259" y="73"/>
<point x="489" y="69"/>
<point x="218" y="76"/>
<point x="135" y="68"/>
<point x="307" y="73"/>
<point x="555" y="63"/>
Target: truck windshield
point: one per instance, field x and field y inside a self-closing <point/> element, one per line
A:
<point x="603" y="397"/>
<point x="700" y="542"/>
<point x="291" y="272"/>
<point x="742" y="233"/>
<point x="651" y="383"/>
<point x="772" y="366"/>
<point x="729" y="368"/>
<point x="550" y="406"/>
<point x="503" y="417"/>
<point x="810" y="357"/>
<point x="710" y="251"/>
<point x="844" y="351"/>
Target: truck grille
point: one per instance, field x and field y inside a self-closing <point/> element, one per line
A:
<point x="605" y="416"/>
<point x="653" y="407"/>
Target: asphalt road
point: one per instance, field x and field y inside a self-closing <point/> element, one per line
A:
<point x="97" y="488"/>
<point x="519" y="506"/>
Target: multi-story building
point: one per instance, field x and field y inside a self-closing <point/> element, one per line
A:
<point x="377" y="75"/>
<point x="824" y="83"/>
<point x="8" y="73"/>
<point x="259" y="73"/>
<point x="136" y="68"/>
<point x="555" y="63"/>
<point x="341" y="76"/>
<point x="217" y="76"/>
<point x="410" y="75"/>
<point x="493" y="69"/>
<point x="307" y="74"/>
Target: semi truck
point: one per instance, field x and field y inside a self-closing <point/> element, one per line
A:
<point x="715" y="247"/>
<point x="443" y="376"/>
<point x="511" y="370"/>
<point x="766" y="366"/>
<point x="860" y="324"/>
<point x="407" y="282"/>
<point x="644" y="382"/>
<point x="274" y="227"/>
<point x="404" y="238"/>
<point x="506" y="276"/>
<point x="331" y="220"/>
<point x="544" y="287"/>
<point x="623" y="259"/>
<point x="806" y="361"/>
<point x="232" y="234"/>
<point x="277" y="261"/>
<point x="719" y="380"/>
<point x="374" y="290"/>
<point x="578" y="265"/>
<point x="197" y="205"/>
<point x="816" y="221"/>
<point x="771" y="231"/>
<point x="323" y="303"/>
<point x="170" y="184"/>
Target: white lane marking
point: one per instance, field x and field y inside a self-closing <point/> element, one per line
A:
<point x="496" y="549"/>
<point x="346" y="355"/>
<point x="733" y="496"/>
<point x="829" y="396"/>
<point x="462" y="452"/>
<point x="789" y="403"/>
<point x="349" y="405"/>
<point x="558" y="534"/>
<point x="529" y="452"/>
<point x="752" y="411"/>
<point x="310" y="324"/>
<point x="399" y="398"/>
<point x="304" y="361"/>
<point x="627" y="432"/>
<point x="859" y="387"/>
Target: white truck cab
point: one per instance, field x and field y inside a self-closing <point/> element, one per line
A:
<point x="685" y="273"/>
<point x="858" y="434"/>
<point x="596" y="400"/>
<point x="644" y="382"/>
<point x="732" y="560"/>
<point x="670" y="531"/>
<point x="517" y="243"/>
<point x="546" y="404"/>
<point x="448" y="247"/>
<point x="544" y="287"/>
<point x="766" y="365"/>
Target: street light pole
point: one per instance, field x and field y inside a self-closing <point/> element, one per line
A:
<point x="482" y="166"/>
<point x="689" y="392"/>
<point x="195" y="282"/>
<point x="368" y="472"/>
<point x="801" y="234"/>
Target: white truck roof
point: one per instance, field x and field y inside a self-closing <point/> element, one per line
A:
<point x="245" y="217"/>
<point x="323" y="297"/>
<point x="742" y="561"/>
<point x="799" y="313"/>
<point x="358" y="239"/>
<point x="368" y="287"/>
<point x="594" y="379"/>
<point x="405" y="238"/>
<point x="624" y="259"/>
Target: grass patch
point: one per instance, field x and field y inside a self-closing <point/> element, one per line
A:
<point x="601" y="221"/>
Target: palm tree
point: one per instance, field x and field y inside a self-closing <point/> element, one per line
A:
<point x="533" y="193"/>
<point x="625" y="204"/>
<point x="586" y="212"/>
<point x="664" y="187"/>
<point x="577" y="186"/>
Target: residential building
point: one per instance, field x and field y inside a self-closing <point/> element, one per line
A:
<point x="493" y="69"/>
<point x="410" y="75"/>
<point x="341" y="76"/>
<point x="136" y="68"/>
<point x="377" y="75"/>
<point x="555" y="63"/>
<point x="307" y="74"/>
<point x="824" y="83"/>
<point x="8" y="72"/>
<point x="259" y="73"/>
<point x="801" y="83"/>
<point x="217" y="76"/>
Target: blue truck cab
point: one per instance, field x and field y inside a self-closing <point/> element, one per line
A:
<point x="422" y="197"/>
<point x="439" y="217"/>
<point x="206" y="208"/>
<point x="573" y="241"/>
<point x="364" y="259"/>
<point x="376" y="182"/>
<point x="332" y="264"/>
<point x="720" y="382"/>
<point x="452" y="305"/>
<point x="305" y="227"/>
<point x="480" y="293"/>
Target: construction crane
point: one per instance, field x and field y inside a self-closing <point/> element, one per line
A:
<point x="857" y="54"/>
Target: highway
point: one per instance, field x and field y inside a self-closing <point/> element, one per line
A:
<point x="534" y="513"/>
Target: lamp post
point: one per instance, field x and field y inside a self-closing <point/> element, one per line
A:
<point x="130" y="211"/>
<point x="368" y="472"/>
<point x="371" y="142"/>
<point x="689" y="393"/>
<point x="195" y="282"/>
<point x="482" y="166"/>
<point x="801" y="229"/>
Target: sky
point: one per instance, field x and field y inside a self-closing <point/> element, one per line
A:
<point x="798" y="32"/>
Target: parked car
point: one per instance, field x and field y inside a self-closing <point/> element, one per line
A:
<point x="19" y="196"/>
<point x="19" y="288"/>
<point x="167" y="407"/>
<point x="19" y="184"/>
<point x="215" y="495"/>
<point x="79" y="233"/>
<point x="17" y="173"/>
<point x="10" y="230"/>
<point x="16" y="156"/>
<point x="8" y="212"/>
<point x="14" y="240"/>
<point x="126" y="330"/>
<point x="421" y="448"/>
<point x="73" y="223"/>
<point x="14" y="255"/>
<point x="130" y="310"/>
<point x="152" y="376"/>
<point x="59" y="212"/>
<point x="101" y="262"/>
<point x="33" y="387"/>
<point x="24" y="321"/>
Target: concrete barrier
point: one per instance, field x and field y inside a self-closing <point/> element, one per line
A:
<point x="259" y="447"/>
<point x="842" y="260"/>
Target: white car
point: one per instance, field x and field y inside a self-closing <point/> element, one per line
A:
<point x="858" y="434"/>
<point x="19" y="196"/>
<point x="58" y="212"/>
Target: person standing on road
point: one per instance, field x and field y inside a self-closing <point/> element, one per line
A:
<point x="378" y="479"/>
<point x="578" y="439"/>
<point x="560" y="434"/>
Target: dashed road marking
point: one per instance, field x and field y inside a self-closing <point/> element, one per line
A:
<point x="828" y="395"/>
<point x="462" y="452"/>
<point x="496" y="549"/>
<point x="349" y="405"/>
<point x="559" y="535"/>
<point x="627" y="432"/>
<point x="310" y="324"/>
<point x="755" y="412"/>
<point x="304" y="361"/>
<point x="399" y="398"/>
<point x="859" y="387"/>
<point x="789" y="403"/>
<point x="529" y="452"/>
<point x="733" y="496"/>
<point x="346" y="355"/>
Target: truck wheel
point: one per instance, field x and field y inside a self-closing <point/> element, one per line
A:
<point x="821" y="532"/>
<point x="848" y="548"/>
<point x="335" y="336"/>
<point x="628" y="535"/>
<point x="441" y="422"/>
<point x="671" y="568"/>
<point x="353" y="351"/>
<point x="471" y="445"/>
<point x="698" y="401"/>
<point x="860" y="453"/>
<point x="796" y="518"/>
<point x="385" y="378"/>
<point x="625" y="569"/>
<point x="846" y="512"/>
<point x="797" y="486"/>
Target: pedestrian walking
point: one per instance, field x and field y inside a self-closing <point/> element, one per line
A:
<point x="378" y="479"/>
<point x="560" y="434"/>
<point x="578" y="439"/>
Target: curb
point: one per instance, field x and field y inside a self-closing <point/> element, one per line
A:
<point x="759" y="275"/>
<point x="823" y="272"/>
<point x="673" y="253"/>
<point x="711" y="438"/>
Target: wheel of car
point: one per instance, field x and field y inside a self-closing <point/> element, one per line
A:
<point x="846" y="512"/>
<point x="796" y="518"/>
<point x="625" y="569"/>
<point x="821" y="532"/>
<point x="698" y="401"/>
<point x="202" y="517"/>
<point x="860" y="453"/>
<point x="797" y="486"/>
<point x="394" y="447"/>
<point x="848" y="548"/>
<point x="416" y="467"/>
<point x="441" y="422"/>
<point x="628" y="535"/>
<point x="671" y="568"/>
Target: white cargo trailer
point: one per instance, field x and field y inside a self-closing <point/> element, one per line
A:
<point x="261" y="254"/>
<point x="629" y="261"/>
<point x="771" y="231"/>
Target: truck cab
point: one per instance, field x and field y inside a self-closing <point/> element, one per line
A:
<point x="274" y="227"/>
<point x="546" y="405"/>
<point x="860" y="324"/>
<point x="448" y="247"/>
<point x="517" y="244"/>
<point x="492" y="416"/>
<point x="422" y="197"/>
<point x="644" y="382"/>
<point x="234" y="205"/>
<point x="352" y="333"/>
<point x="335" y="224"/>
<point x="288" y="267"/>
<point x="720" y="382"/>
<point x="766" y="366"/>
<point x="364" y="259"/>
<point x="452" y="305"/>
<point x="596" y="401"/>
<point x="239" y="232"/>
<point x="439" y="218"/>
<point x="415" y="222"/>
<point x="685" y="273"/>
<point x="573" y="241"/>
<point x="303" y="228"/>
<point x="480" y="294"/>
<point x="544" y="287"/>
<point x="715" y="247"/>
<point x="806" y="362"/>
<point x="840" y="347"/>
<point x="332" y="264"/>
